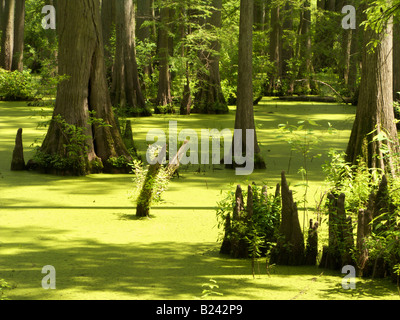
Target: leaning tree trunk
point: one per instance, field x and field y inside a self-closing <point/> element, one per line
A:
<point x="126" y="91"/>
<point x="19" y="27"/>
<point x="244" y="118"/>
<point x="7" y="39"/>
<point x="81" y="58"/>
<point x="374" y="135"/>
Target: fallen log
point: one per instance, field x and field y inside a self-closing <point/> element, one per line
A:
<point x="325" y="99"/>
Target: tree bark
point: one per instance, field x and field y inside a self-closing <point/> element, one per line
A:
<point x="306" y="67"/>
<point x="146" y="195"/>
<point x="275" y="49"/>
<point x="209" y="98"/>
<point x="244" y="118"/>
<point x="126" y="91"/>
<point x="19" y="27"/>
<point x="107" y="21"/>
<point x="144" y="33"/>
<point x="2" y="6"/>
<point x="311" y="251"/>
<point x="287" y="47"/>
<point x="396" y="61"/>
<point x="7" y="39"/>
<point x="290" y="245"/>
<point x="259" y="15"/>
<point x="18" y="162"/>
<point x="375" y="115"/>
<point x="81" y="58"/>
<point x="164" y="97"/>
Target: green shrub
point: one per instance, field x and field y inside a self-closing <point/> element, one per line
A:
<point x="17" y="86"/>
<point x="355" y="181"/>
<point x="260" y="231"/>
<point x="3" y="285"/>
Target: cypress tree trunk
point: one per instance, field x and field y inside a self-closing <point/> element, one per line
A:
<point x="143" y="33"/>
<point x="81" y="57"/>
<point x="7" y="39"/>
<point x="396" y="61"/>
<point x="126" y="91"/>
<point x="259" y="15"/>
<point x="287" y="49"/>
<point x="19" y="27"/>
<point x="375" y="115"/>
<point x="306" y="68"/>
<point x="107" y="22"/>
<point x="290" y="248"/>
<point x="2" y="6"/>
<point x="244" y="118"/>
<point x="209" y="98"/>
<point x="164" y="84"/>
<point x="275" y="49"/>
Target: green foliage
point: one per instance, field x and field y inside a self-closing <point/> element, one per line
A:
<point x="75" y="145"/>
<point x="209" y="289"/>
<point x="384" y="241"/>
<point x="229" y="53"/>
<point x="40" y="44"/>
<point x="355" y="181"/>
<point x="145" y="56"/>
<point x="118" y="162"/>
<point x="302" y="138"/>
<point x="18" y="86"/>
<point x="159" y="183"/>
<point x="3" y="285"/>
<point x="259" y="231"/>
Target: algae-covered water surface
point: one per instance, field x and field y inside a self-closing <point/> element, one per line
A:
<point x="86" y="228"/>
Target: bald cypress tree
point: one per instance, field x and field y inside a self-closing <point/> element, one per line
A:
<point x="126" y="92"/>
<point x="374" y="135"/>
<point x="244" y="118"/>
<point x="82" y="136"/>
<point x="7" y="39"/>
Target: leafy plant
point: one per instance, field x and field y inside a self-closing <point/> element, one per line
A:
<point x="303" y="140"/>
<point x="355" y="181"/>
<point x="256" y="243"/>
<point x="75" y="147"/>
<point x="258" y="231"/>
<point x="396" y="271"/>
<point x="3" y="285"/>
<point x="160" y="182"/>
<point x="210" y="289"/>
<point x="18" y="86"/>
